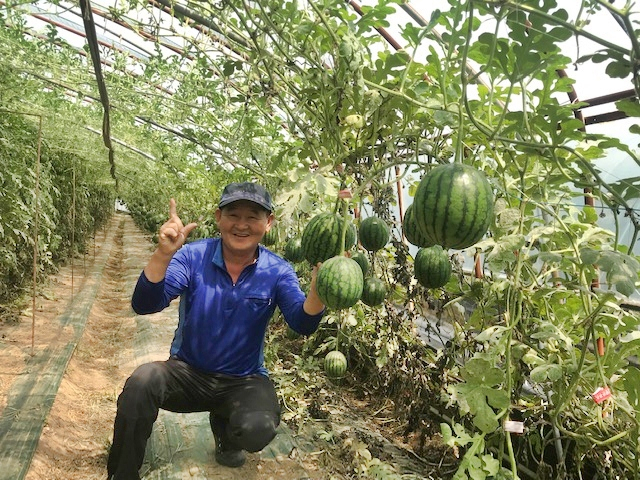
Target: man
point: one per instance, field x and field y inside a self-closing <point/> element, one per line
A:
<point x="229" y="288"/>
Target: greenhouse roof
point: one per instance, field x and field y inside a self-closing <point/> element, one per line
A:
<point x="245" y="84"/>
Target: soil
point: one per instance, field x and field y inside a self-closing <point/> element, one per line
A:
<point x="77" y="434"/>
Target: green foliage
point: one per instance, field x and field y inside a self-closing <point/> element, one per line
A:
<point x="65" y="194"/>
<point x="313" y="101"/>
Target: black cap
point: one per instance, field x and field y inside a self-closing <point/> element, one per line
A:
<point x="246" y="191"/>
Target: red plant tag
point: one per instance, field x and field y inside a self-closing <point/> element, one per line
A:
<point x="601" y="394"/>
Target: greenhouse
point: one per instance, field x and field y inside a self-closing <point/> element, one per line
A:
<point x="319" y="239"/>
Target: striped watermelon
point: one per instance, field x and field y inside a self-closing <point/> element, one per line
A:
<point x="339" y="282"/>
<point x="432" y="267"/>
<point x="362" y="260"/>
<point x="293" y="250"/>
<point x="291" y="334"/>
<point x="374" y="291"/>
<point x="335" y="364"/>
<point x="411" y="231"/>
<point x="454" y="205"/>
<point x="374" y="233"/>
<point x="321" y="238"/>
<point x="270" y="238"/>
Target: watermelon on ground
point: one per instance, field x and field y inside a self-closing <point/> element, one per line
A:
<point x="335" y="364"/>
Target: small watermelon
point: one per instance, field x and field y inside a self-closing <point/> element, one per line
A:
<point x="291" y="334"/>
<point x="335" y="364"/>
<point x="454" y="205"/>
<point x="374" y="233"/>
<point x="374" y="291"/>
<point x="411" y="231"/>
<point x="362" y="260"/>
<point x="339" y="282"/>
<point x="293" y="250"/>
<point x="270" y="238"/>
<point x="322" y="237"/>
<point x="432" y="267"/>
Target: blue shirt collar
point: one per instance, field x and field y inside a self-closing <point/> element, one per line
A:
<point x="217" y="254"/>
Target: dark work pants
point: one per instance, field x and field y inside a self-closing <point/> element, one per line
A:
<point x="247" y="405"/>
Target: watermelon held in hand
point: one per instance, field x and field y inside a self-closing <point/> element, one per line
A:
<point x="374" y="233"/>
<point x="335" y="364"/>
<point x="362" y="260"/>
<point x="322" y="237"/>
<point x="374" y="291"/>
<point x="453" y="205"/>
<point x="293" y="250"/>
<point x="339" y="282"/>
<point x="411" y="231"/>
<point x="432" y="267"/>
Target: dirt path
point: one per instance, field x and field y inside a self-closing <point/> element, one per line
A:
<point x="78" y="430"/>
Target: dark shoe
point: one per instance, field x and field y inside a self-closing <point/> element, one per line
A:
<point x="225" y="455"/>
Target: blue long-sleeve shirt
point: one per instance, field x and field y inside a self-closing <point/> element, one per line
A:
<point x="222" y="325"/>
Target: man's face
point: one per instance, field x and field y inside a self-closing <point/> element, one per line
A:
<point x="242" y="225"/>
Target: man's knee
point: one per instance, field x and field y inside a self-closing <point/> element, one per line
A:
<point x="252" y="431"/>
<point x="144" y="386"/>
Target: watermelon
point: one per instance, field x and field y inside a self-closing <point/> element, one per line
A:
<point x="339" y="282"/>
<point x="291" y="334"/>
<point x="335" y="364"/>
<point x="362" y="260"/>
<point x="270" y="238"/>
<point x="374" y="291"/>
<point x="293" y="250"/>
<point x="432" y="267"/>
<point x="411" y="232"/>
<point x="374" y="233"/>
<point x="453" y="205"/>
<point x="321" y="238"/>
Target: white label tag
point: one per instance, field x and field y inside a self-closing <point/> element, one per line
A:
<point x="513" y="426"/>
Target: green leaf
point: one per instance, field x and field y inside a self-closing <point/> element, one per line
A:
<point x="631" y="108"/>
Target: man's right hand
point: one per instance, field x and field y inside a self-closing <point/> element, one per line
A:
<point x="173" y="233"/>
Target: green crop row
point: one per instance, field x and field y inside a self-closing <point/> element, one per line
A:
<point x="59" y="191"/>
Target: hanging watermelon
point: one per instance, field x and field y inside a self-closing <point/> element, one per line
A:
<point x="321" y="238"/>
<point x="374" y="291"/>
<point x="362" y="260"/>
<point x="374" y="233"/>
<point x="270" y="238"/>
<point x="453" y="205"/>
<point x="293" y="250"/>
<point x="432" y="267"/>
<point x="411" y="230"/>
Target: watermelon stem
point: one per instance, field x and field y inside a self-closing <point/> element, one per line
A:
<point x="345" y="224"/>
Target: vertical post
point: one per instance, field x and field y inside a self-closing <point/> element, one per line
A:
<point x="595" y="283"/>
<point x="36" y="214"/>
<point x="477" y="264"/>
<point x="400" y="200"/>
<point x="73" y="223"/>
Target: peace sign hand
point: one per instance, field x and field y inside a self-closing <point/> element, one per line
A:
<point x="173" y="233"/>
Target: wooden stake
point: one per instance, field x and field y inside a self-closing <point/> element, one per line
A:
<point x="35" y="241"/>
